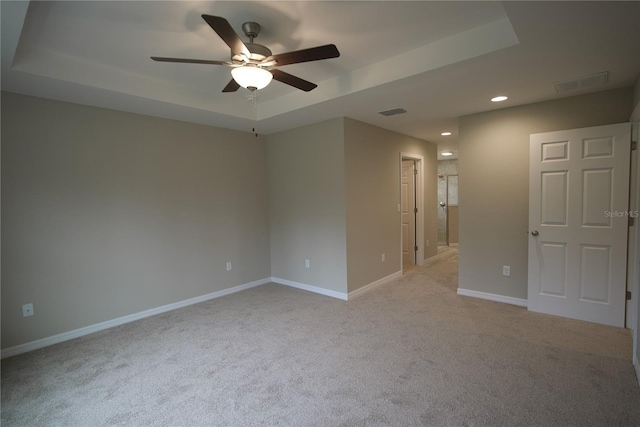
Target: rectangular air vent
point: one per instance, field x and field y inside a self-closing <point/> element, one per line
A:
<point x="393" y="112"/>
<point x="587" y="82"/>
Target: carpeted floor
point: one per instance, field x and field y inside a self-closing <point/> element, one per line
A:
<point x="409" y="353"/>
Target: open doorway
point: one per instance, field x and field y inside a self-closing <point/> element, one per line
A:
<point x="411" y="210"/>
<point x="408" y="212"/>
<point x="448" y="211"/>
<point x="448" y="204"/>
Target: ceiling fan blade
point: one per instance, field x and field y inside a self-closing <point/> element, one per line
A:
<point x="190" y="61"/>
<point x="222" y="27"/>
<point x="292" y="80"/>
<point x="305" y="55"/>
<point x="232" y="86"/>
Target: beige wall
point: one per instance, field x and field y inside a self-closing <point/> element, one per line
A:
<point x="333" y="194"/>
<point x="494" y="182"/>
<point x="106" y="213"/>
<point x="307" y="205"/>
<point x="372" y="159"/>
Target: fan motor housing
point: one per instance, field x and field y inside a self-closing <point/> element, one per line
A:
<point x="258" y="52"/>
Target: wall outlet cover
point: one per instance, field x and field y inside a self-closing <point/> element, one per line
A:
<point x="506" y="270"/>
<point x="27" y="310"/>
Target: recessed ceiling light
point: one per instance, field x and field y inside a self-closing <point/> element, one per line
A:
<point x="445" y="133"/>
<point x="447" y="153"/>
<point x="499" y="98"/>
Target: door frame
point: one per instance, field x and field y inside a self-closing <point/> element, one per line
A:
<point x="409" y="167"/>
<point x="419" y="204"/>
<point x="634" y="249"/>
<point x="446" y="177"/>
<point x="632" y="240"/>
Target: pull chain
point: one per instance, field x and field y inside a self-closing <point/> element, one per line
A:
<point x="254" y="104"/>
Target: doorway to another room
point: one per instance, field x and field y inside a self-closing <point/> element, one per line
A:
<point x="447" y="205"/>
<point x="412" y="210"/>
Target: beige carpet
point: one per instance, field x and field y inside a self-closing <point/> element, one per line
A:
<point x="409" y="353"/>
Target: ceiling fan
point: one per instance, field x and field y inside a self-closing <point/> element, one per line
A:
<point x="253" y="65"/>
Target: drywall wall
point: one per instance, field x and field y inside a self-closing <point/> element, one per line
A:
<point x="307" y="205"/>
<point x="372" y="164"/>
<point x="334" y="188"/>
<point x="106" y="213"/>
<point x="494" y="182"/>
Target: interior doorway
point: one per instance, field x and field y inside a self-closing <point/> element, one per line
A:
<point x="411" y="208"/>
<point x="448" y="210"/>
<point x="408" y="211"/>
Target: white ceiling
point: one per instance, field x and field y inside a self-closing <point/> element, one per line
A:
<point x="437" y="60"/>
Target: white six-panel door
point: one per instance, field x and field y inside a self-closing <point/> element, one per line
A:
<point x="578" y="221"/>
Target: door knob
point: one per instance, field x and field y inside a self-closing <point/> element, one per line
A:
<point x="534" y="233"/>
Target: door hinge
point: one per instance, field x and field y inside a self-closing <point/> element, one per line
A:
<point x="415" y="248"/>
<point x="415" y="171"/>
<point x="415" y="210"/>
<point x="628" y="295"/>
<point x="632" y="221"/>
<point x="634" y="145"/>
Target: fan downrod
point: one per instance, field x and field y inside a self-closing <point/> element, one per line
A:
<point x="251" y="30"/>
<point x="258" y="51"/>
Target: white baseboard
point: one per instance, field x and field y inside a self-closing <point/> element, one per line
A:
<point x="311" y="288"/>
<point x="493" y="297"/>
<point x="636" y="364"/>
<point x="370" y="286"/>
<point x="76" y="333"/>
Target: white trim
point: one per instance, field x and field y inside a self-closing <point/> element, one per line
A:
<point x="311" y="288"/>
<point x="370" y="286"/>
<point x="636" y="365"/>
<point x="493" y="297"/>
<point x="76" y="333"/>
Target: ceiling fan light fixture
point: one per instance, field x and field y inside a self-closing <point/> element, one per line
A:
<point x="251" y="77"/>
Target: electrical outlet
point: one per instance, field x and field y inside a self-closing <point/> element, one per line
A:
<point x="506" y="270"/>
<point x="383" y="258"/>
<point x="307" y="263"/>
<point x="27" y="310"/>
<point x="229" y="266"/>
<point x="427" y="243"/>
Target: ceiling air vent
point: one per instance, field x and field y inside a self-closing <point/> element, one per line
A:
<point x="587" y="82"/>
<point x="393" y="112"/>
